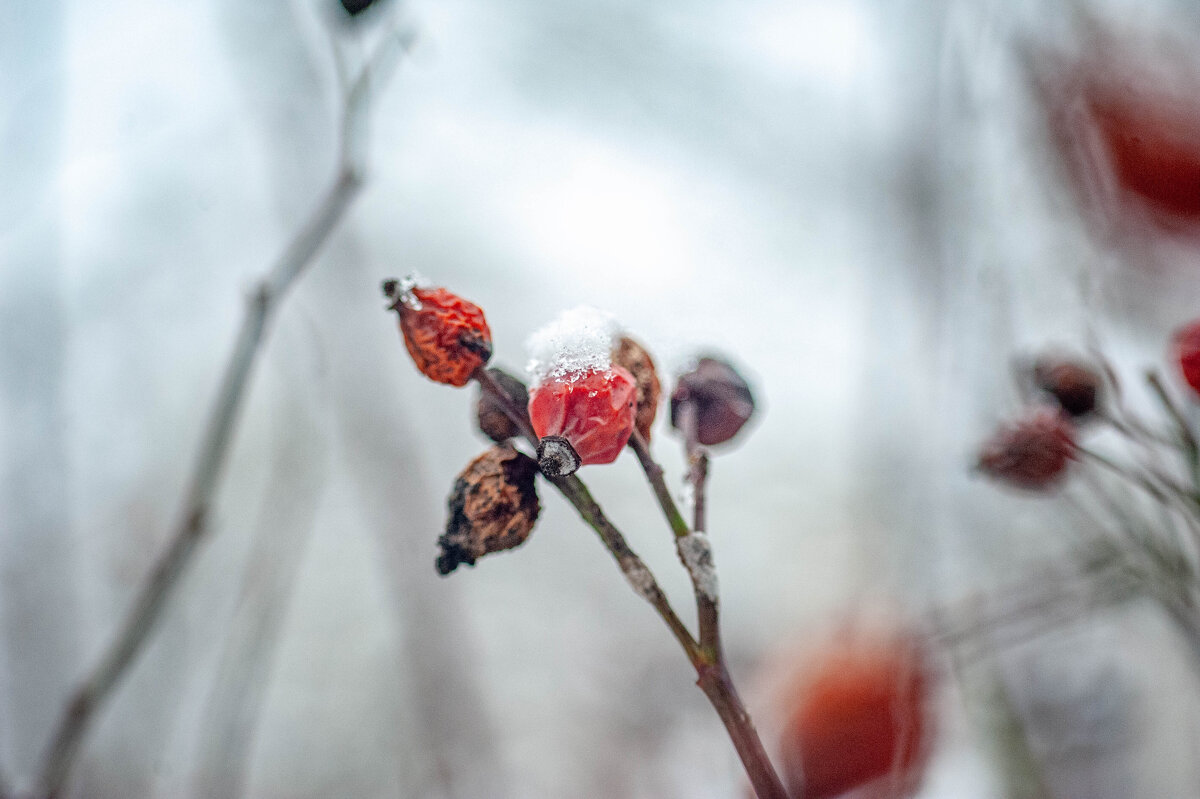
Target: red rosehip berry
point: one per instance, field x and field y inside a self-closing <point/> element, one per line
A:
<point x="859" y="717"/>
<point x="447" y="336"/>
<point x="593" y="412"/>
<point x="1186" y="350"/>
<point x="1032" y="452"/>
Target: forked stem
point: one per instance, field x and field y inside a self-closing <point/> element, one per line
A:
<point x="706" y="657"/>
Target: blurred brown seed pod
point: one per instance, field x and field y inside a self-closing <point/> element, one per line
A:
<point x="720" y="398"/>
<point x="493" y="507"/>
<point x="633" y="356"/>
<point x="490" y="415"/>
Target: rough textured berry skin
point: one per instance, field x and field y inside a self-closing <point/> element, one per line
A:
<point x="493" y="507"/>
<point x="721" y="398"/>
<point x="1032" y="452"/>
<point x="594" y="412"/>
<point x="447" y="336"/>
<point x="1186" y="346"/>
<point x="1074" y="386"/>
<point x="859" y="717"/>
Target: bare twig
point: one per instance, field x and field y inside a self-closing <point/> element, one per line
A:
<point x="713" y="670"/>
<point x="208" y="469"/>
<point x="1191" y="449"/>
<point x="707" y="607"/>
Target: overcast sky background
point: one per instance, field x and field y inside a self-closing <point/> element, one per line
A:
<point x="853" y="200"/>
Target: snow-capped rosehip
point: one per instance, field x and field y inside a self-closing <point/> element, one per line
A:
<point x="594" y="413"/>
<point x="1032" y="452"/>
<point x="719" y="398"/>
<point x="859" y="716"/>
<point x="447" y="337"/>
<point x="582" y="405"/>
<point x="1074" y="385"/>
<point x="493" y="507"/>
<point x="633" y="356"/>
<point x="1186" y="352"/>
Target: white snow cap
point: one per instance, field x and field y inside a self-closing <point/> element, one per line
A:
<point x="576" y="342"/>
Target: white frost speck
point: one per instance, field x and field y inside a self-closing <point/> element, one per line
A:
<point x="696" y="552"/>
<point x="640" y="578"/>
<point x="575" y="343"/>
<point x="413" y="280"/>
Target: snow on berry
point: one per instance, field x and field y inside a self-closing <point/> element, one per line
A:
<point x="577" y="342"/>
<point x="447" y="336"/>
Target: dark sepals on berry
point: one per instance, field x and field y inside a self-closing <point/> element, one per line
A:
<point x="556" y="457"/>
<point x="721" y="397"/>
<point x="1032" y="452"/>
<point x="493" y="507"/>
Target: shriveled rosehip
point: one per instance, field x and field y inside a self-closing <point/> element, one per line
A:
<point x="1032" y="452"/>
<point x="719" y="397"/>
<point x="633" y="356"/>
<point x="594" y="412"/>
<point x="1185" y="350"/>
<point x="447" y="337"/>
<point x="489" y="412"/>
<point x="493" y="507"/>
<point x="1074" y="385"/>
<point x="859" y="718"/>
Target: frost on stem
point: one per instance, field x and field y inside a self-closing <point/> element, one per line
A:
<point x="696" y="551"/>
<point x="577" y="342"/>
<point x="640" y="578"/>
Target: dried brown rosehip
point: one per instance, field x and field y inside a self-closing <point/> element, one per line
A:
<point x="633" y="356"/>
<point x="447" y="336"/>
<point x="493" y="507"/>
<point x="1032" y="452"/>
<point x="489" y="412"/>
<point x="1074" y="385"/>
<point x="719" y="397"/>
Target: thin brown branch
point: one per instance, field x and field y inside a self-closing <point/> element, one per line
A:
<point x="707" y="607"/>
<point x="208" y="469"/>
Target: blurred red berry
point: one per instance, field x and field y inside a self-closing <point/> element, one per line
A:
<point x="1186" y="347"/>
<point x="858" y="717"/>
<point x="1131" y="138"/>
<point x="594" y="412"/>
<point x="1032" y="452"/>
<point x="447" y="336"/>
<point x="1074" y="385"/>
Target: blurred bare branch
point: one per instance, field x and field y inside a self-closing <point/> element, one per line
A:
<point x="291" y="265"/>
